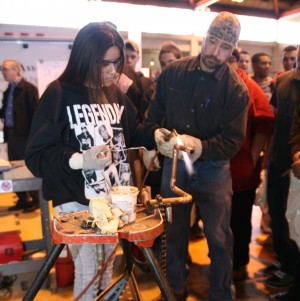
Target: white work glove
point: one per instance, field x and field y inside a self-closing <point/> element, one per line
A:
<point x="97" y="157"/>
<point x="165" y="141"/>
<point x="193" y="143"/>
<point x="148" y="156"/>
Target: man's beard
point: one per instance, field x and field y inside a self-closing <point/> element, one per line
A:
<point x="211" y="62"/>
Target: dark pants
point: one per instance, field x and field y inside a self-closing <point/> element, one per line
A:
<point x="211" y="189"/>
<point x="242" y="203"/>
<point x="277" y="193"/>
<point x="16" y="151"/>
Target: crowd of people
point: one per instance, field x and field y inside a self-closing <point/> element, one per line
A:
<point x="223" y="103"/>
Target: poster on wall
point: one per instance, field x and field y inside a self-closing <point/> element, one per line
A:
<point x="47" y="71"/>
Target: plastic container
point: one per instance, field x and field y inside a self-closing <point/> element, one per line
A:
<point x="125" y="198"/>
<point x="64" y="267"/>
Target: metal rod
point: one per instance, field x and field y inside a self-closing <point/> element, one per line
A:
<point x="43" y="273"/>
<point x="158" y="274"/>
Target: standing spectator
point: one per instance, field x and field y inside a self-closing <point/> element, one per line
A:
<point x="294" y="291"/>
<point x="205" y="101"/>
<point x="244" y="61"/>
<point x="288" y="59"/>
<point x="145" y="84"/>
<point x="245" y="168"/>
<point x="169" y="52"/>
<point x="85" y="88"/>
<point x="261" y="65"/>
<point x="19" y="102"/>
<point x="285" y="99"/>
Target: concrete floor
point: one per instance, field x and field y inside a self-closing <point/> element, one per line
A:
<point x="252" y="289"/>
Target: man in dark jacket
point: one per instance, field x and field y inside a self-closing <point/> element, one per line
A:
<point x="19" y="101"/>
<point x="206" y="102"/>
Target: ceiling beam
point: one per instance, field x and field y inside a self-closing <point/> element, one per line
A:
<point x="246" y="11"/>
<point x="203" y="3"/>
<point x="293" y="10"/>
<point x="276" y="7"/>
<point x="160" y="3"/>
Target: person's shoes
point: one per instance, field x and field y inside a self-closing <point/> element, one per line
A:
<point x="283" y="296"/>
<point x="18" y="206"/>
<point x="196" y="232"/>
<point x="25" y="206"/>
<point x="279" y="280"/>
<point x="29" y="208"/>
<point x="272" y="268"/>
<point x="240" y="274"/>
<point x="182" y="296"/>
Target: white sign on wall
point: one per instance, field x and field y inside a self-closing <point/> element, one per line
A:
<point x="48" y="71"/>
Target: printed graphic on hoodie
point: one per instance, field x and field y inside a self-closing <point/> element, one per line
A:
<point x="97" y="125"/>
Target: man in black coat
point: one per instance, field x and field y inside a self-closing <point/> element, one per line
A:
<point x="19" y="101"/>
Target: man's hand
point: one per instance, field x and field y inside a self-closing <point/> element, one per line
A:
<point x="97" y="157"/>
<point x="151" y="156"/>
<point x="165" y="141"/>
<point x="193" y="143"/>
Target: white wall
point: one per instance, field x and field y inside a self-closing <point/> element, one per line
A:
<point x="37" y="52"/>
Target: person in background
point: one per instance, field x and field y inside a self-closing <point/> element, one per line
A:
<point x="288" y="59"/>
<point x="53" y="153"/>
<point x="145" y="84"/>
<point x="169" y="52"/>
<point x="205" y="101"/>
<point x="261" y="65"/>
<point x="294" y="141"/>
<point x="244" y="61"/>
<point x="19" y="102"/>
<point x="285" y="100"/>
<point x="245" y="168"/>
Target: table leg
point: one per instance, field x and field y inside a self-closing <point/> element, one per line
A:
<point x="158" y="274"/>
<point x="43" y="273"/>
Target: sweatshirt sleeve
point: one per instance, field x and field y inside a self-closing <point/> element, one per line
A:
<point x="47" y="153"/>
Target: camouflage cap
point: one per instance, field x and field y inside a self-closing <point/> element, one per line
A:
<point x="226" y="27"/>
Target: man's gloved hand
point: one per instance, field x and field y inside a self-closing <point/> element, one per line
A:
<point x="148" y="156"/>
<point x="192" y="142"/>
<point x="165" y="141"/>
<point x="97" y="157"/>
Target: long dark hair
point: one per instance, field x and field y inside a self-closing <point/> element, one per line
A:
<point x="85" y="62"/>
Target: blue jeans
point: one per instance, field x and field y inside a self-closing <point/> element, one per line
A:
<point x="211" y="189"/>
<point x="86" y="260"/>
<point x="277" y="195"/>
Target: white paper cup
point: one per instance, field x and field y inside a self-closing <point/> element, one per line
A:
<point x="125" y="198"/>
